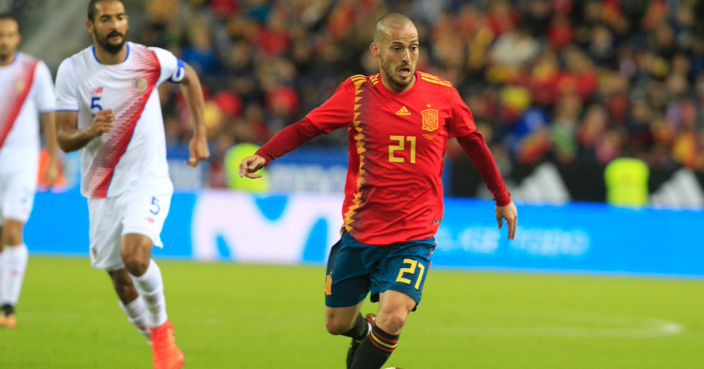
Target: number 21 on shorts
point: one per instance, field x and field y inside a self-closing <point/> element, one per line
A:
<point x="411" y="269"/>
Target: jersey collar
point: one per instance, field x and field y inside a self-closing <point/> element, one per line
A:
<point x="388" y="92"/>
<point x="98" y="60"/>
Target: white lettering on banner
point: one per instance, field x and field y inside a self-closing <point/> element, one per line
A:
<point x="307" y="178"/>
<point x="251" y="236"/>
<point x="477" y="240"/>
<point x="532" y="241"/>
<point x="551" y="242"/>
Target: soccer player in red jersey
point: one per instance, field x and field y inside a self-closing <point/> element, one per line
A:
<point x="398" y="121"/>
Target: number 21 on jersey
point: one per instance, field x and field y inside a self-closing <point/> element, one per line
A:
<point x="398" y="143"/>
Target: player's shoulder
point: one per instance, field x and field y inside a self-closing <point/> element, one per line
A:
<point x="27" y="58"/>
<point x="80" y="57"/>
<point x="158" y="51"/>
<point x="140" y="48"/>
<point x="435" y="81"/>
<point x="359" y="79"/>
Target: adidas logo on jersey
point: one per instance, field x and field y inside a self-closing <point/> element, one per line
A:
<point x="403" y="111"/>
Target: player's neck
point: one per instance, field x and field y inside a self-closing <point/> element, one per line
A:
<point x="105" y="57"/>
<point x="8" y="60"/>
<point x="386" y="81"/>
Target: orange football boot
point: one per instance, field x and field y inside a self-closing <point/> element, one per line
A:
<point x="8" y="321"/>
<point x="166" y="355"/>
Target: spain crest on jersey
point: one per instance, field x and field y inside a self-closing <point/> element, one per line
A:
<point x="431" y="119"/>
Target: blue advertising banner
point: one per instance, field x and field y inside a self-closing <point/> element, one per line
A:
<point x="300" y="228"/>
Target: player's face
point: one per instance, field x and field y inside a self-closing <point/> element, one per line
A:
<point x="109" y="26"/>
<point x="9" y="39"/>
<point x="398" y="56"/>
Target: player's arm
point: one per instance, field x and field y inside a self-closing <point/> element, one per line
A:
<point x="193" y="94"/>
<point x="462" y="126"/>
<point x="336" y="112"/>
<point x="51" y="173"/>
<point x="286" y="140"/>
<point x="71" y="138"/>
<point x="68" y="135"/>
<point x="478" y="151"/>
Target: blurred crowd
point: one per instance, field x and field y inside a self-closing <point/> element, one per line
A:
<point x="562" y="80"/>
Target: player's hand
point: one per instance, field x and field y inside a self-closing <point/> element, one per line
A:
<point x="198" y="148"/>
<point x="509" y="213"/>
<point x="102" y="122"/>
<point x="250" y="165"/>
<point x="51" y="174"/>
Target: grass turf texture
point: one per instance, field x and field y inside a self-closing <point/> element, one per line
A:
<point x="255" y="316"/>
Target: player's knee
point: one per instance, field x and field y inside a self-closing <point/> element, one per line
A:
<point x="135" y="264"/>
<point x="392" y="320"/>
<point x="12" y="236"/>
<point x="335" y="326"/>
<point x="12" y="239"/>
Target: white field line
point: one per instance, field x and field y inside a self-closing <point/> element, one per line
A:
<point x="576" y="324"/>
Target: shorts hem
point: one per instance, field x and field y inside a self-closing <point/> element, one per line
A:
<point x="342" y="305"/>
<point x="405" y="292"/>
<point x="109" y="268"/>
<point x="156" y="241"/>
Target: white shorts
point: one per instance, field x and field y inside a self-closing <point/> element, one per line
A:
<point x="140" y="211"/>
<point x="17" y="194"/>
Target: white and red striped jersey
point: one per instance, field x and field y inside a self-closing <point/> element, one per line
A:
<point x="26" y="90"/>
<point x="133" y="153"/>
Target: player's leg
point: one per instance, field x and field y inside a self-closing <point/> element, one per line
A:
<point x="136" y="252"/>
<point x="399" y="284"/>
<point x="146" y="275"/>
<point x="2" y="261"/>
<point x="347" y="284"/>
<point x="381" y="342"/>
<point x="130" y="301"/>
<point x="143" y="218"/>
<point x="105" y="237"/>
<point x="343" y="320"/>
<point x="17" y="200"/>
<point x="14" y="264"/>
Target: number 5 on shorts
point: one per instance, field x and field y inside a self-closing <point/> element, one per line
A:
<point x="411" y="270"/>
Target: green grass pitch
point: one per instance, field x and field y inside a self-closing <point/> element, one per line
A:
<point x="259" y="316"/>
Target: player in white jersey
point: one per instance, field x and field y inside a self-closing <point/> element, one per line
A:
<point x="26" y="97"/>
<point x="108" y="107"/>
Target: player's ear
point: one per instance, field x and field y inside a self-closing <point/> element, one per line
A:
<point x="89" y="26"/>
<point x="374" y="49"/>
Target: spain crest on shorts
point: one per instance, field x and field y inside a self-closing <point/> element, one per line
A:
<point x="431" y="119"/>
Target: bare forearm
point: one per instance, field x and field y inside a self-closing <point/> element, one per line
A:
<point x="48" y="121"/>
<point x="193" y="94"/>
<point x="74" y="140"/>
<point x="69" y="137"/>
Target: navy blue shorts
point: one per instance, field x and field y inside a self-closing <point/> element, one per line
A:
<point x="354" y="269"/>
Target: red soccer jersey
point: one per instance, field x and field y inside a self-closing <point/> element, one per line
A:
<point x="394" y="189"/>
